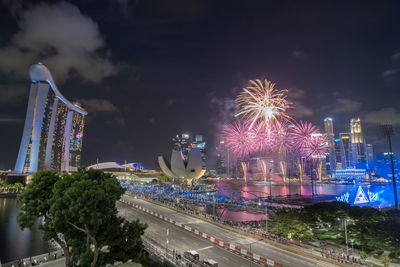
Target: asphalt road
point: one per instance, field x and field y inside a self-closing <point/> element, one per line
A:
<point x="279" y="255"/>
<point x="182" y="240"/>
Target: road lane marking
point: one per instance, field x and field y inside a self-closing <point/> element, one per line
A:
<point x="200" y="249"/>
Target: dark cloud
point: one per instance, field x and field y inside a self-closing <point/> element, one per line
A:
<point x="6" y="119"/>
<point x="343" y="105"/>
<point x="389" y="75"/>
<point x="60" y="36"/>
<point x="296" y="93"/>
<point x="13" y="93"/>
<point x="95" y="106"/>
<point x="301" y="111"/>
<point x="383" y="116"/>
<point x="297" y="54"/>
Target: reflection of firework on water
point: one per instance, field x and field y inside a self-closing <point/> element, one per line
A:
<point x="283" y="165"/>
<point x="263" y="139"/>
<point x="244" y="168"/>
<point x="263" y="166"/>
<point x="238" y="139"/>
<point x="263" y="103"/>
<point x="301" y="164"/>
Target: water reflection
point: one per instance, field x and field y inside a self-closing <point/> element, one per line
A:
<point x="254" y="190"/>
<point x="14" y="243"/>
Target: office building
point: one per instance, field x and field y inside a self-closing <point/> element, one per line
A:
<point x="198" y="142"/>
<point x="358" y="155"/>
<point x="331" y="157"/>
<point x="369" y="153"/>
<point x="185" y="142"/>
<point x="53" y="129"/>
<point x="340" y="154"/>
<point x="345" y="137"/>
<point x="182" y="143"/>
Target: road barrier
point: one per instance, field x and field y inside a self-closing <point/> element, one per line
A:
<point x="214" y="240"/>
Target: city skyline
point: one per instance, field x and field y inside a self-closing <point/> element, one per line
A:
<point x="141" y="78"/>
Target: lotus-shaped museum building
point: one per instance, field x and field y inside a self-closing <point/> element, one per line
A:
<point x="180" y="169"/>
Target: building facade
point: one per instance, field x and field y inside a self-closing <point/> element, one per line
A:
<point x="53" y="129"/>
<point x="331" y="157"/>
<point x="185" y="142"/>
<point x="340" y="154"/>
<point x="358" y="155"/>
<point x="345" y="137"/>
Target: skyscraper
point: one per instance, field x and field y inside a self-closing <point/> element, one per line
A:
<point x="331" y="157"/>
<point x="358" y="156"/>
<point x="184" y="143"/>
<point x="369" y="153"/>
<point x="199" y="142"/>
<point x="53" y="130"/>
<point x="340" y="154"/>
<point x="345" y="137"/>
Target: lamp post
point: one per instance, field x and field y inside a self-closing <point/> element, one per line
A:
<point x="252" y="244"/>
<point x="345" y="232"/>
<point x="270" y="184"/>
<point x="387" y="130"/>
<point x="352" y="246"/>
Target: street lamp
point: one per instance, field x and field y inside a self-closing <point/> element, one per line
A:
<point x="270" y="184"/>
<point x="352" y="246"/>
<point x="387" y="130"/>
<point x="252" y="244"/>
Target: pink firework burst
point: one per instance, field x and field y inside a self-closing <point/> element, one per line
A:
<point x="263" y="138"/>
<point x="301" y="134"/>
<point x="284" y="139"/>
<point x="317" y="147"/>
<point x="238" y="139"/>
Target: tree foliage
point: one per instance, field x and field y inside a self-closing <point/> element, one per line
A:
<point x="79" y="210"/>
<point x="370" y="229"/>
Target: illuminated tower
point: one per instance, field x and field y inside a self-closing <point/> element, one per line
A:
<point x="331" y="158"/>
<point x="358" y="156"/>
<point x="53" y="130"/>
<point x="345" y="137"/>
<point x="199" y="142"/>
<point x="340" y="154"/>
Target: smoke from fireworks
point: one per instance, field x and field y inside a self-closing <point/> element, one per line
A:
<point x="261" y="102"/>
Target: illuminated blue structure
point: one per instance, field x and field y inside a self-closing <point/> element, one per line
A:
<point x="350" y="175"/>
<point x="53" y="130"/>
<point x="360" y="197"/>
<point x="115" y="166"/>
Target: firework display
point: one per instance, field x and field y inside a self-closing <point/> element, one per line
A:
<point x="238" y="139"/>
<point x="261" y="102"/>
<point x="266" y="129"/>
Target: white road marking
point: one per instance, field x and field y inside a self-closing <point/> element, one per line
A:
<point x="200" y="249"/>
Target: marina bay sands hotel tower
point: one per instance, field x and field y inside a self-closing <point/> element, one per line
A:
<point x="53" y="130"/>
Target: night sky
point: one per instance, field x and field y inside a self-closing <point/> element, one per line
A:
<point x="148" y="70"/>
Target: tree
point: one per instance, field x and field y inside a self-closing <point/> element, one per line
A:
<point x="80" y="214"/>
<point x="385" y="260"/>
<point x="288" y="223"/>
<point x="36" y="203"/>
<point x="83" y="208"/>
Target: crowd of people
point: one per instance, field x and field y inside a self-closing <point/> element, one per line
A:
<point x="187" y="205"/>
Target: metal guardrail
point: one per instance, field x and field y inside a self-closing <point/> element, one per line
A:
<point x="36" y="260"/>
